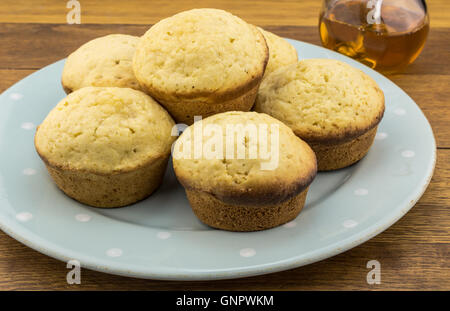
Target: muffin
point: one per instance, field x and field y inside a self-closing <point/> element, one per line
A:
<point x="334" y="107"/>
<point x="201" y="62"/>
<point x="281" y="52"/>
<point x="252" y="172"/>
<point x="105" y="61"/>
<point x="106" y="146"/>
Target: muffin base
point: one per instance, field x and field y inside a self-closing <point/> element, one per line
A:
<point x="220" y="215"/>
<point x="114" y="190"/>
<point x="184" y="111"/>
<point x="336" y="156"/>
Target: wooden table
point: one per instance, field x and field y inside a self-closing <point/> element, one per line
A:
<point x="414" y="253"/>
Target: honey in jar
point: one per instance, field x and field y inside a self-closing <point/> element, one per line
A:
<point x="386" y="35"/>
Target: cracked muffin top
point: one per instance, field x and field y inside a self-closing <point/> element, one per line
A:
<point x="322" y="100"/>
<point x="104" y="130"/>
<point x="200" y="52"/>
<point x="105" y="61"/>
<point x="243" y="157"/>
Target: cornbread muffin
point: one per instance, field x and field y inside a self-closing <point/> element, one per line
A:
<point x="264" y="187"/>
<point x="334" y="107"/>
<point x="105" y="61"/>
<point x="106" y="146"/>
<point x="281" y="52"/>
<point x="201" y="62"/>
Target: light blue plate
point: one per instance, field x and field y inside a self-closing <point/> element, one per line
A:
<point x="160" y="238"/>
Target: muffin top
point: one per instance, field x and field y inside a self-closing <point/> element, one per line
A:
<point x="322" y="100"/>
<point x="105" y="61"/>
<point x="248" y="158"/>
<point x="201" y="53"/>
<point x="104" y="130"/>
<point x="281" y="52"/>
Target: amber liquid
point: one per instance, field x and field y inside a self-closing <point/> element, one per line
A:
<point x="389" y="46"/>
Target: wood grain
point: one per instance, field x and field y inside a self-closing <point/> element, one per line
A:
<point x="22" y="49"/>
<point x="414" y="253"/>
<point x="262" y="12"/>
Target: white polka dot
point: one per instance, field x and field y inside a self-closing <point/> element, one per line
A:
<point x="361" y="192"/>
<point x="27" y="126"/>
<point x="163" y="235"/>
<point x="290" y="224"/>
<point x="408" y="154"/>
<point x="24" y="216"/>
<point x="15" y="96"/>
<point x="29" y="171"/>
<point x="399" y="111"/>
<point x="349" y="223"/>
<point x="381" y="136"/>
<point x="83" y="217"/>
<point x="114" y="252"/>
<point x="247" y="252"/>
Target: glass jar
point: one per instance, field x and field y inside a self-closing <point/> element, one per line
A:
<point x="386" y="35"/>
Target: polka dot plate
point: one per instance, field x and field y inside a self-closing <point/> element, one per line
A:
<point x="160" y="238"/>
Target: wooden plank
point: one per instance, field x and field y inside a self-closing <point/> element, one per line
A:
<point x="288" y="12"/>
<point x="431" y="93"/>
<point x="37" y="45"/>
<point x="33" y="46"/>
<point x="263" y="12"/>
<point x="404" y="265"/>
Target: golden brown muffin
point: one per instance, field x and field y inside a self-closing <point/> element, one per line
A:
<point x="104" y="61"/>
<point x="201" y="62"/>
<point x="281" y="52"/>
<point x="253" y="173"/>
<point x="334" y="107"/>
<point x="106" y="146"/>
